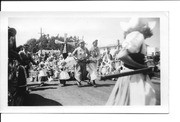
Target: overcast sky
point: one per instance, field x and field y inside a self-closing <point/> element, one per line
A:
<point x="106" y="30"/>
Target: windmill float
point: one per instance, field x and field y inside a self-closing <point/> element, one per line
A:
<point x="65" y="42"/>
<point x="70" y="61"/>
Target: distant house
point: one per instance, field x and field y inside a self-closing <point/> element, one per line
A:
<point x="151" y="51"/>
<point x="112" y="47"/>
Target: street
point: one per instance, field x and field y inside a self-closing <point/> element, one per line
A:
<point x="52" y="94"/>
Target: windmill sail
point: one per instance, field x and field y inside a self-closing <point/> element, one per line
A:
<point x="58" y="42"/>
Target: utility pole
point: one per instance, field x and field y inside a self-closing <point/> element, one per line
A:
<point x="40" y="39"/>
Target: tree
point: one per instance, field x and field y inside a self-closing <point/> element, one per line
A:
<point x="32" y="45"/>
<point x="47" y="43"/>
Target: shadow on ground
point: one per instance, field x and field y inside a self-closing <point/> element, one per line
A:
<point x="104" y="85"/>
<point x="41" y="88"/>
<point x="98" y="85"/>
<point x="37" y="100"/>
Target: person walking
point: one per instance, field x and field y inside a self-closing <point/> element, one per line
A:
<point x="134" y="89"/>
<point x="92" y="65"/>
<point x="81" y="53"/>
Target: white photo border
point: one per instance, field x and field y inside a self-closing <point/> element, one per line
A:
<point x="164" y="35"/>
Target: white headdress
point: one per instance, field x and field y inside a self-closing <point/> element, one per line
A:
<point x="136" y="22"/>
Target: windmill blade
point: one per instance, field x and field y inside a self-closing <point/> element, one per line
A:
<point x="58" y="42"/>
<point x="71" y="43"/>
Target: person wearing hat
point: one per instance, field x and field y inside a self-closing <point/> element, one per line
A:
<point x="81" y="53"/>
<point x="134" y="89"/>
<point x="12" y="49"/>
<point x="27" y="59"/>
<point x="92" y="66"/>
<point x="14" y="65"/>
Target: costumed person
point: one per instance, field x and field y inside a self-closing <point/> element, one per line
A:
<point x="70" y="63"/>
<point x="50" y="69"/>
<point x="103" y="69"/>
<point x="134" y="89"/>
<point x="107" y="59"/>
<point x="117" y="62"/>
<point x="16" y="72"/>
<point x="12" y="49"/>
<point x="92" y="65"/>
<point x="64" y="76"/>
<point x="34" y="73"/>
<point x="27" y="59"/>
<point x="42" y="76"/>
<point x="82" y="54"/>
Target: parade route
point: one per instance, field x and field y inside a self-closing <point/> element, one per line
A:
<point x="52" y="94"/>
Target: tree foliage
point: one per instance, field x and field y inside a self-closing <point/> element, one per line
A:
<point x="48" y="43"/>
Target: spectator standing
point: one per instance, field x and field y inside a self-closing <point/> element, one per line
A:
<point x="27" y="59"/>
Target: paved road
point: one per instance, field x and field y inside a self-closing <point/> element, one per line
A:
<point x="52" y="94"/>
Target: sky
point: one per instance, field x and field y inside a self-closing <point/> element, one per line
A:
<point x="107" y="30"/>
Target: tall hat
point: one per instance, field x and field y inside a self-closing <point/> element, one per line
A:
<point x="143" y="25"/>
<point x="95" y="41"/>
<point x="11" y="32"/>
<point x="81" y="41"/>
<point x="137" y="22"/>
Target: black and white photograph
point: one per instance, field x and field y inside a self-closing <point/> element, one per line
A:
<point x="85" y="59"/>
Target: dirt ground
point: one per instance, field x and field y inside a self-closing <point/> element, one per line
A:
<point x="52" y="94"/>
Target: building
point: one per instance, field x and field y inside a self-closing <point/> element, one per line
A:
<point x="151" y="51"/>
<point x="112" y="47"/>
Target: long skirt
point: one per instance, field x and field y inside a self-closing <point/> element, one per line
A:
<point x="80" y="71"/>
<point x="92" y="69"/>
<point x="132" y="90"/>
<point x="43" y="79"/>
<point x="64" y="75"/>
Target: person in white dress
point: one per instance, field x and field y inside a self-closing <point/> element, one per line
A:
<point x="92" y="65"/>
<point x="64" y="76"/>
<point x="134" y="89"/>
<point x="42" y="76"/>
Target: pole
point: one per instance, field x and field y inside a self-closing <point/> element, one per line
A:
<point x="144" y="70"/>
<point x="41" y="40"/>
